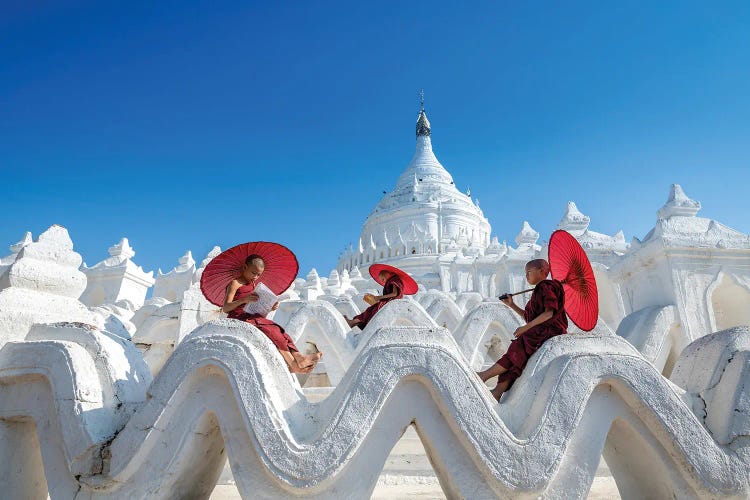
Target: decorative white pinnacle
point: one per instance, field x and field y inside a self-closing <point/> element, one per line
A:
<point x="27" y="239"/>
<point x="678" y="204"/>
<point x="355" y="274"/>
<point x="210" y="256"/>
<point x="122" y="250"/>
<point x="573" y="220"/>
<point x="527" y="235"/>
<point x="333" y="279"/>
<point x="186" y="261"/>
<point x="313" y="276"/>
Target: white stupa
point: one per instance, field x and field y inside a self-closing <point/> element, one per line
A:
<point x="423" y="217"/>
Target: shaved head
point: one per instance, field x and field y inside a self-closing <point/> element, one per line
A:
<point x="538" y="264"/>
<point x="255" y="259"/>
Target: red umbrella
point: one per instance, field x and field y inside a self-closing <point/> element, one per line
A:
<point x="410" y="286"/>
<point x="280" y="269"/>
<point x="570" y="265"/>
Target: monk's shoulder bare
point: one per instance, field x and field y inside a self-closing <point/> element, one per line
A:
<point x="233" y="286"/>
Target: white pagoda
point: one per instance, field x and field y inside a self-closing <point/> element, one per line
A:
<point x="424" y="217"/>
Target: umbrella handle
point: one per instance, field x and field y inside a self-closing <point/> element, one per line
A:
<point x="509" y="295"/>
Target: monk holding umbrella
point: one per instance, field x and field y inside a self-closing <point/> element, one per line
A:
<point x="571" y="290"/>
<point x="396" y="283"/>
<point x="233" y="279"/>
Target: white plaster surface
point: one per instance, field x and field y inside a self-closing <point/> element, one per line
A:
<point x="116" y="278"/>
<point x="42" y="285"/>
<point x="226" y="392"/>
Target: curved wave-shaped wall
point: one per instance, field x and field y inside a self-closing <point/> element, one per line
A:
<point x="226" y="392"/>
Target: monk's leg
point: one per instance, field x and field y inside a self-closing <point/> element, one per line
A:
<point x="365" y="316"/>
<point x="298" y="363"/>
<point x="291" y="363"/>
<point x="500" y="388"/>
<point x="306" y="361"/>
<point x="513" y="360"/>
<point x="492" y="371"/>
<point x="505" y="382"/>
<point x="351" y="322"/>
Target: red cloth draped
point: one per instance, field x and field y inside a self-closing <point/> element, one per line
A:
<point x="546" y="294"/>
<point x="278" y="336"/>
<point x="392" y="284"/>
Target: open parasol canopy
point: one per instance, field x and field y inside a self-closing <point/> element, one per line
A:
<point x="570" y="265"/>
<point x="281" y="268"/>
<point x="410" y="286"/>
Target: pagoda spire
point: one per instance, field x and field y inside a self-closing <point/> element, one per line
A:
<point x="423" y="124"/>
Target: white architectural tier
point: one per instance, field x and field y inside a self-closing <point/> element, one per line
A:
<point x="116" y="278"/>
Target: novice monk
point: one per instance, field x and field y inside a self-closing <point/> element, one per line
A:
<point x="393" y="288"/>
<point x="545" y="318"/>
<point x="240" y="292"/>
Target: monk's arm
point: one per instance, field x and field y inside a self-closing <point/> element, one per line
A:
<point x="546" y="315"/>
<point x="508" y="301"/>
<point x="518" y="310"/>
<point x="389" y="296"/>
<point x="229" y="302"/>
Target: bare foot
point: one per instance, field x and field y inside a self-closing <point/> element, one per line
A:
<point x="308" y="362"/>
<point x="499" y="389"/>
<point x="297" y="369"/>
<point x="351" y="322"/>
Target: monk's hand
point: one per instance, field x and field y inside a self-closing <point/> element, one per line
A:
<point x="253" y="297"/>
<point x="275" y="306"/>
<point x="508" y="301"/>
<point x="520" y="331"/>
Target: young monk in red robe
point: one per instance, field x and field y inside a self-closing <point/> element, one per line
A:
<point x="393" y="288"/>
<point x="240" y="292"/>
<point x="545" y="318"/>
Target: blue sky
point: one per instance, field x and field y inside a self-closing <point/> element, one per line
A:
<point x="181" y="125"/>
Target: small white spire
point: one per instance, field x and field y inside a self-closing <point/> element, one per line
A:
<point x="27" y="239"/>
<point x="527" y="235"/>
<point x="678" y="204"/>
<point x="123" y="250"/>
<point x="185" y="262"/>
<point x="573" y="220"/>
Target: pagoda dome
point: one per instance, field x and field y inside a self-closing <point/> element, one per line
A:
<point x="423" y="214"/>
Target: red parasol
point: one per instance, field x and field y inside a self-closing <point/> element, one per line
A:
<point x="410" y="286"/>
<point x="281" y="268"/>
<point x="570" y="265"/>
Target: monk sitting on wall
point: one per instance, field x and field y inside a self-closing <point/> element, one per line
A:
<point x="240" y="292"/>
<point x="545" y="318"/>
<point x="396" y="283"/>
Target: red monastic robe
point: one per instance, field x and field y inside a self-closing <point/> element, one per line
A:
<point x="278" y="336"/>
<point x="392" y="284"/>
<point x="546" y="294"/>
